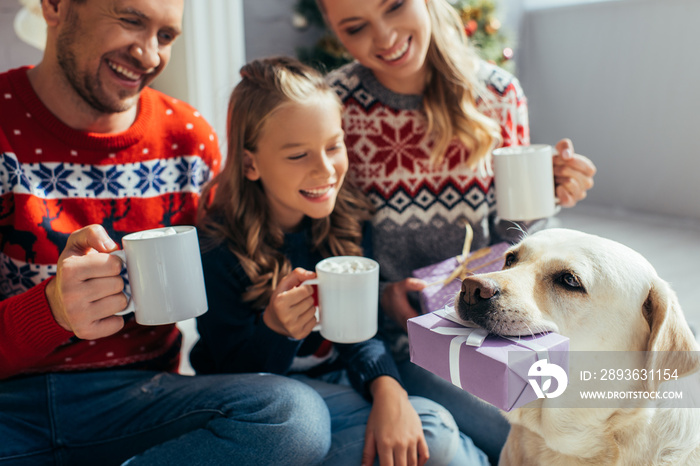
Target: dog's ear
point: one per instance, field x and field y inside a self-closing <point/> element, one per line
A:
<point x="671" y="344"/>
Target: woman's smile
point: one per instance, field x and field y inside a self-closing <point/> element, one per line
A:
<point x="398" y="52"/>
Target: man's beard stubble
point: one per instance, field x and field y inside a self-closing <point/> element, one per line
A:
<point x="88" y="88"/>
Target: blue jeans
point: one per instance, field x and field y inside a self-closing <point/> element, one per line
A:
<point x="155" y="418"/>
<point x="480" y="421"/>
<point x="349" y="412"/>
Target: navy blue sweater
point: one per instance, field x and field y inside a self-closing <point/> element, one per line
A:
<point x="234" y="338"/>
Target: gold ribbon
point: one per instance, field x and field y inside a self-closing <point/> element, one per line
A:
<point x="462" y="271"/>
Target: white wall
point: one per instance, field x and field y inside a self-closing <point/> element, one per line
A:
<point x="269" y="30"/>
<point x="621" y="79"/>
<point x="13" y="52"/>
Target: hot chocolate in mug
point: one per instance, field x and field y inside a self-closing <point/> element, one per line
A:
<point x="348" y="298"/>
<point x="163" y="280"/>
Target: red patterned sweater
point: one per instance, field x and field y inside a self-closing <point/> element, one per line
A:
<point x="54" y="180"/>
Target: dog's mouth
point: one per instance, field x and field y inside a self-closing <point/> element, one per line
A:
<point x="481" y="302"/>
<point x="507" y="322"/>
<point x="491" y="318"/>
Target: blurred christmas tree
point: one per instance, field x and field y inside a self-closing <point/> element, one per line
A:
<point x="327" y="53"/>
<point x="484" y="31"/>
<point x="480" y="23"/>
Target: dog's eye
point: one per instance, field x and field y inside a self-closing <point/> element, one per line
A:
<point x="571" y="280"/>
<point x="510" y="258"/>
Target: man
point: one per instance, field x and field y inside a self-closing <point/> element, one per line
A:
<point x="89" y="153"/>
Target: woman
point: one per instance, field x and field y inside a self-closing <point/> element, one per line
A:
<point x="421" y="115"/>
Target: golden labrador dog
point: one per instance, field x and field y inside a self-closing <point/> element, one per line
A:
<point x="604" y="297"/>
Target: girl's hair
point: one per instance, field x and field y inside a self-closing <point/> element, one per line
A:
<point x="234" y="210"/>
<point x="452" y="90"/>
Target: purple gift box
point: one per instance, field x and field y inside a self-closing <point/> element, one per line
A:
<point x="438" y="295"/>
<point x="499" y="370"/>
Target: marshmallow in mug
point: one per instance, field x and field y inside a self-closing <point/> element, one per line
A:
<point x="348" y="289"/>
<point x="154" y="233"/>
<point x="347" y="266"/>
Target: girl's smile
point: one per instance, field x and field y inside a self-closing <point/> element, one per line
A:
<point x="319" y="194"/>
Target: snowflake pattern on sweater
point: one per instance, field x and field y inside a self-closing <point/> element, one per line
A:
<point x="55" y="180"/>
<point x="61" y="181"/>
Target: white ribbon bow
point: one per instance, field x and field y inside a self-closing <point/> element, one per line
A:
<point x="473" y="336"/>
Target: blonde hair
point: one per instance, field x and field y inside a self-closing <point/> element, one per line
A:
<point x="453" y="89"/>
<point x="234" y="210"/>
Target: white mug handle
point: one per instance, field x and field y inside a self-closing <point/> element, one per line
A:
<point x="127" y="287"/>
<point x="314" y="281"/>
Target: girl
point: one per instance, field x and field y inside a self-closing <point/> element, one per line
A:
<point x="422" y="114"/>
<point x="277" y="208"/>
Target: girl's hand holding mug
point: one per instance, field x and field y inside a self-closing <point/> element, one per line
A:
<point x="291" y="311"/>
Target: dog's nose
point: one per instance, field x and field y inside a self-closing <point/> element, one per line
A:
<point x="476" y="289"/>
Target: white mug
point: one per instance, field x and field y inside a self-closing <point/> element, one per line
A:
<point x="348" y="295"/>
<point x="164" y="280"/>
<point x="524" y="181"/>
